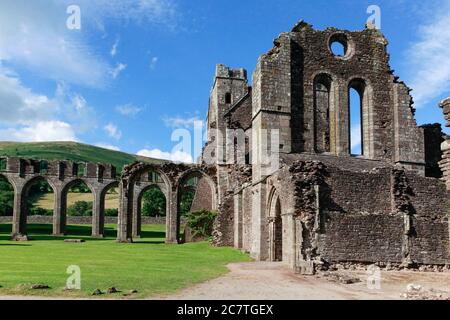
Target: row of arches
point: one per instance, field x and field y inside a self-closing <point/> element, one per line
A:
<point x="153" y="195"/>
<point x="342" y="117"/>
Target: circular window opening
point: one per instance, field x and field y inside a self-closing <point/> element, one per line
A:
<point x="338" y="49"/>
<point x="339" y="45"/>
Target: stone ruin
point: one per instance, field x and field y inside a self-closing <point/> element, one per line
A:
<point x="322" y="205"/>
<point x="313" y="204"/>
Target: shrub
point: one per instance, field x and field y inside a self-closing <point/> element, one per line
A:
<point x="111" y="212"/>
<point x="80" y="209"/>
<point x="201" y="222"/>
<point x="36" y="211"/>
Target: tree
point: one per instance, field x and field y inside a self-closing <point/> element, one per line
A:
<point x="6" y="198"/>
<point x="80" y="208"/>
<point x="187" y="196"/>
<point x="153" y="203"/>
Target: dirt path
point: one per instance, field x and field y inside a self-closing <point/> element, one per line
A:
<point x="272" y="281"/>
<point x="263" y="280"/>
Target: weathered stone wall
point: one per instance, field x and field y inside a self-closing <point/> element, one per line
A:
<point x="203" y="196"/>
<point x="83" y="220"/>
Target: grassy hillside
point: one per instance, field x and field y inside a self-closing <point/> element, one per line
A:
<point x="70" y="151"/>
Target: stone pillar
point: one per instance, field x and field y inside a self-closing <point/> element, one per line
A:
<point x="238" y="223"/>
<point x="172" y="220"/>
<point x="59" y="213"/>
<point x="271" y="221"/>
<point x="19" y="226"/>
<point x="98" y="215"/>
<point x="444" y="164"/>
<point x="124" y="224"/>
<point x="137" y="217"/>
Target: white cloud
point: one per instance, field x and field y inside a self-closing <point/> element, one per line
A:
<point x="179" y="122"/>
<point x="128" y="110"/>
<point x="153" y="62"/>
<point x="176" y="156"/>
<point x="33" y="35"/>
<point x="39" y="132"/>
<point x="113" y="131"/>
<point x="107" y="146"/>
<point x="117" y="70"/>
<point x="113" y="51"/>
<point x="20" y="105"/>
<point x="429" y="57"/>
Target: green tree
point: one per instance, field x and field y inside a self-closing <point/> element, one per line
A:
<point x="6" y="197"/>
<point x="80" y="208"/>
<point x="153" y="203"/>
<point x="187" y="197"/>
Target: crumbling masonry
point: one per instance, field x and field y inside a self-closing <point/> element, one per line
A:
<point x="323" y="205"/>
<point x="313" y="203"/>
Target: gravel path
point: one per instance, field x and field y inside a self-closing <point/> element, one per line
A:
<point x="272" y="281"/>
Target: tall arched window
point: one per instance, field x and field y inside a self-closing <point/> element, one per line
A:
<point x="360" y="118"/>
<point x="322" y="98"/>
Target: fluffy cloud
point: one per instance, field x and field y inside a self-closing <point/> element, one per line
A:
<point x="20" y="105"/>
<point x="179" y="122"/>
<point x="113" y="131"/>
<point x="117" y="70"/>
<point x="40" y="131"/>
<point x="128" y="110"/>
<point x="429" y="57"/>
<point x="113" y="51"/>
<point x="107" y="146"/>
<point x="153" y="62"/>
<point x="176" y="156"/>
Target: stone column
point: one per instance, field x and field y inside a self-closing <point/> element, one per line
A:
<point x="444" y="164"/>
<point x="124" y="224"/>
<point x="137" y="218"/>
<point x="98" y="214"/>
<point x="19" y="226"/>
<point x="271" y="221"/>
<point x="172" y="221"/>
<point x="238" y="220"/>
<point x="59" y="213"/>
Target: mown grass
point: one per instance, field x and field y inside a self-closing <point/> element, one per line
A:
<point x="148" y="265"/>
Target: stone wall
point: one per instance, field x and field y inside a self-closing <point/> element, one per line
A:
<point x="83" y="220"/>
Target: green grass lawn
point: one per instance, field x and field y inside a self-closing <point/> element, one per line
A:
<point x="148" y="265"/>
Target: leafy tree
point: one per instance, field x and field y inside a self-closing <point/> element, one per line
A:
<point x="153" y="203"/>
<point x="111" y="212"/>
<point x="201" y="222"/>
<point x="6" y="197"/>
<point x="187" y="197"/>
<point x="80" y="208"/>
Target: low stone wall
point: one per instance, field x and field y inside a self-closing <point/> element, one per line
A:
<point x="83" y="220"/>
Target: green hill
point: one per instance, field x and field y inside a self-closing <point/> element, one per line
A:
<point x="70" y="151"/>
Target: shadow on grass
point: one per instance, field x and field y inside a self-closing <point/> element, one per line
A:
<point x="44" y="232"/>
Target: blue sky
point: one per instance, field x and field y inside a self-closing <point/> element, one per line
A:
<point x="138" y="69"/>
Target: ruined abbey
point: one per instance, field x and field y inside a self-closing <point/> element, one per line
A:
<point x="278" y="165"/>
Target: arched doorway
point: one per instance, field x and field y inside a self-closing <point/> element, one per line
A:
<point x="105" y="220"/>
<point x="275" y="229"/>
<point x="37" y="199"/>
<point x="196" y="191"/>
<point x="77" y="201"/>
<point x="6" y="205"/>
<point x="151" y="211"/>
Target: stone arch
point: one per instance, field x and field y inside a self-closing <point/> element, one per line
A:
<point x="364" y="89"/>
<point x="21" y="213"/>
<point x="275" y="220"/>
<point x="203" y="178"/>
<point x="60" y="214"/>
<point x="126" y="204"/>
<point x="202" y="175"/>
<point x="14" y="191"/>
<point x="98" y="222"/>
<point x="324" y="112"/>
<point x="137" y="213"/>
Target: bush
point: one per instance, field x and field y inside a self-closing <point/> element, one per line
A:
<point x="36" y="211"/>
<point x="201" y="222"/>
<point x="80" y="209"/>
<point x="111" y="212"/>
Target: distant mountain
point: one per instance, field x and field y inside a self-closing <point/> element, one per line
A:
<point x="70" y="151"/>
